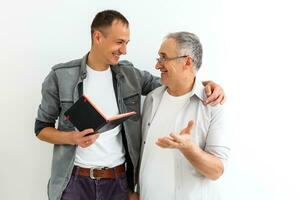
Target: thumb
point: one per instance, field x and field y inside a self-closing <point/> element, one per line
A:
<point x="208" y="90"/>
<point x="188" y="129"/>
<point x="86" y="131"/>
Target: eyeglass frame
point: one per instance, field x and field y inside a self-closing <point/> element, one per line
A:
<point x="162" y="60"/>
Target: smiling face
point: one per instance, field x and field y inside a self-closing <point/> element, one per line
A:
<point x="111" y="42"/>
<point x="171" y="69"/>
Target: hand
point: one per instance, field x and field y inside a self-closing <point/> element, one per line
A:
<point x="133" y="196"/>
<point x="214" y="93"/>
<point x="179" y="141"/>
<point x="83" y="141"/>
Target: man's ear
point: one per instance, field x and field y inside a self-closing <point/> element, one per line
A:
<point x="97" y="37"/>
<point x="189" y="63"/>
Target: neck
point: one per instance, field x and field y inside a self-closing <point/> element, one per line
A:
<point x="182" y="87"/>
<point x="95" y="63"/>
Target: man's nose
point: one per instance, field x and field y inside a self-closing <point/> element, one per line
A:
<point x="158" y="65"/>
<point x="123" y="49"/>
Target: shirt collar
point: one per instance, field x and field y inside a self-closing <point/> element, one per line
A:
<point x="198" y="90"/>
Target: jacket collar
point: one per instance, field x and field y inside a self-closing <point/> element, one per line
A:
<point x="116" y="71"/>
<point x="83" y="73"/>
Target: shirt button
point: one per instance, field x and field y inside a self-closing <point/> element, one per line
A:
<point x="148" y="124"/>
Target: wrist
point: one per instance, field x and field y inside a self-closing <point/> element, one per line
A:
<point x="187" y="147"/>
<point x="68" y="137"/>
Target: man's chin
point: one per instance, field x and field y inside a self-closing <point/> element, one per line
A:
<point x="115" y="59"/>
<point x="163" y="80"/>
<point x="114" y="62"/>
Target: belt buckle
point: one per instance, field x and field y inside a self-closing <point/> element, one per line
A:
<point x="92" y="172"/>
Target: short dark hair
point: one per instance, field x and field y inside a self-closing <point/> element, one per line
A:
<point x="105" y="19"/>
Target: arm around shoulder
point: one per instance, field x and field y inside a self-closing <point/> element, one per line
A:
<point x="149" y="82"/>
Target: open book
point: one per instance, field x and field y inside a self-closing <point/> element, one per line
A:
<point x="84" y="114"/>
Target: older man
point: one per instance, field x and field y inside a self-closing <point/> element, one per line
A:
<point x="183" y="164"/>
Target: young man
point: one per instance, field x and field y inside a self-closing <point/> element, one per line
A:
<point x="181" y="165"/>
<point x="93" y="167"/>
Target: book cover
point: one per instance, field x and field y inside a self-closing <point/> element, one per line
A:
<point x="83" y="114"/>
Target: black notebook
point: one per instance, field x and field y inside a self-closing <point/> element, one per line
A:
<point x="84" y="114"/>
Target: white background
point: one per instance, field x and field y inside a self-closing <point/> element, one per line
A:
<point x="250" y="47"/>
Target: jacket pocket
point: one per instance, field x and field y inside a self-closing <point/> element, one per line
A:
<point x="133" y="103"/>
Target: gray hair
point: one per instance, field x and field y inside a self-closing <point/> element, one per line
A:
<point x="188" y="44"/>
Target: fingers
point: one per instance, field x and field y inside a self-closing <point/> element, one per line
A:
<point x="166" y="142"/>
<point x="215" y="98"/>
<point x="83" y="140"/>
<point x="89" y="140"/>
<point x="208" y="90"/>
<point x="172" y="141"/>
<point x="161" y="143"/>
<point x="86" y="131"/>
<point x="217" y="101"/>
<point x="92" y="138"/>
<point x="214" y="93"/>
<point x="188" y="129"/>
<point x="212" y="96"/>
<point x="179" y="141"/>
<point x="223" y="100"/>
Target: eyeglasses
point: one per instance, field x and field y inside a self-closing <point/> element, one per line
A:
<point x="164" y="59"/>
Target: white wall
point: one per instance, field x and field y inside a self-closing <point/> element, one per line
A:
<point x="250" y="48"/>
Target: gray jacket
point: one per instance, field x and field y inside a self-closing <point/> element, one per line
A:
<point x="63" y="86"/>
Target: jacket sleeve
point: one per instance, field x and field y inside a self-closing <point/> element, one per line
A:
<point x="149" y="82"/>
<point x="49" y="108"/>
